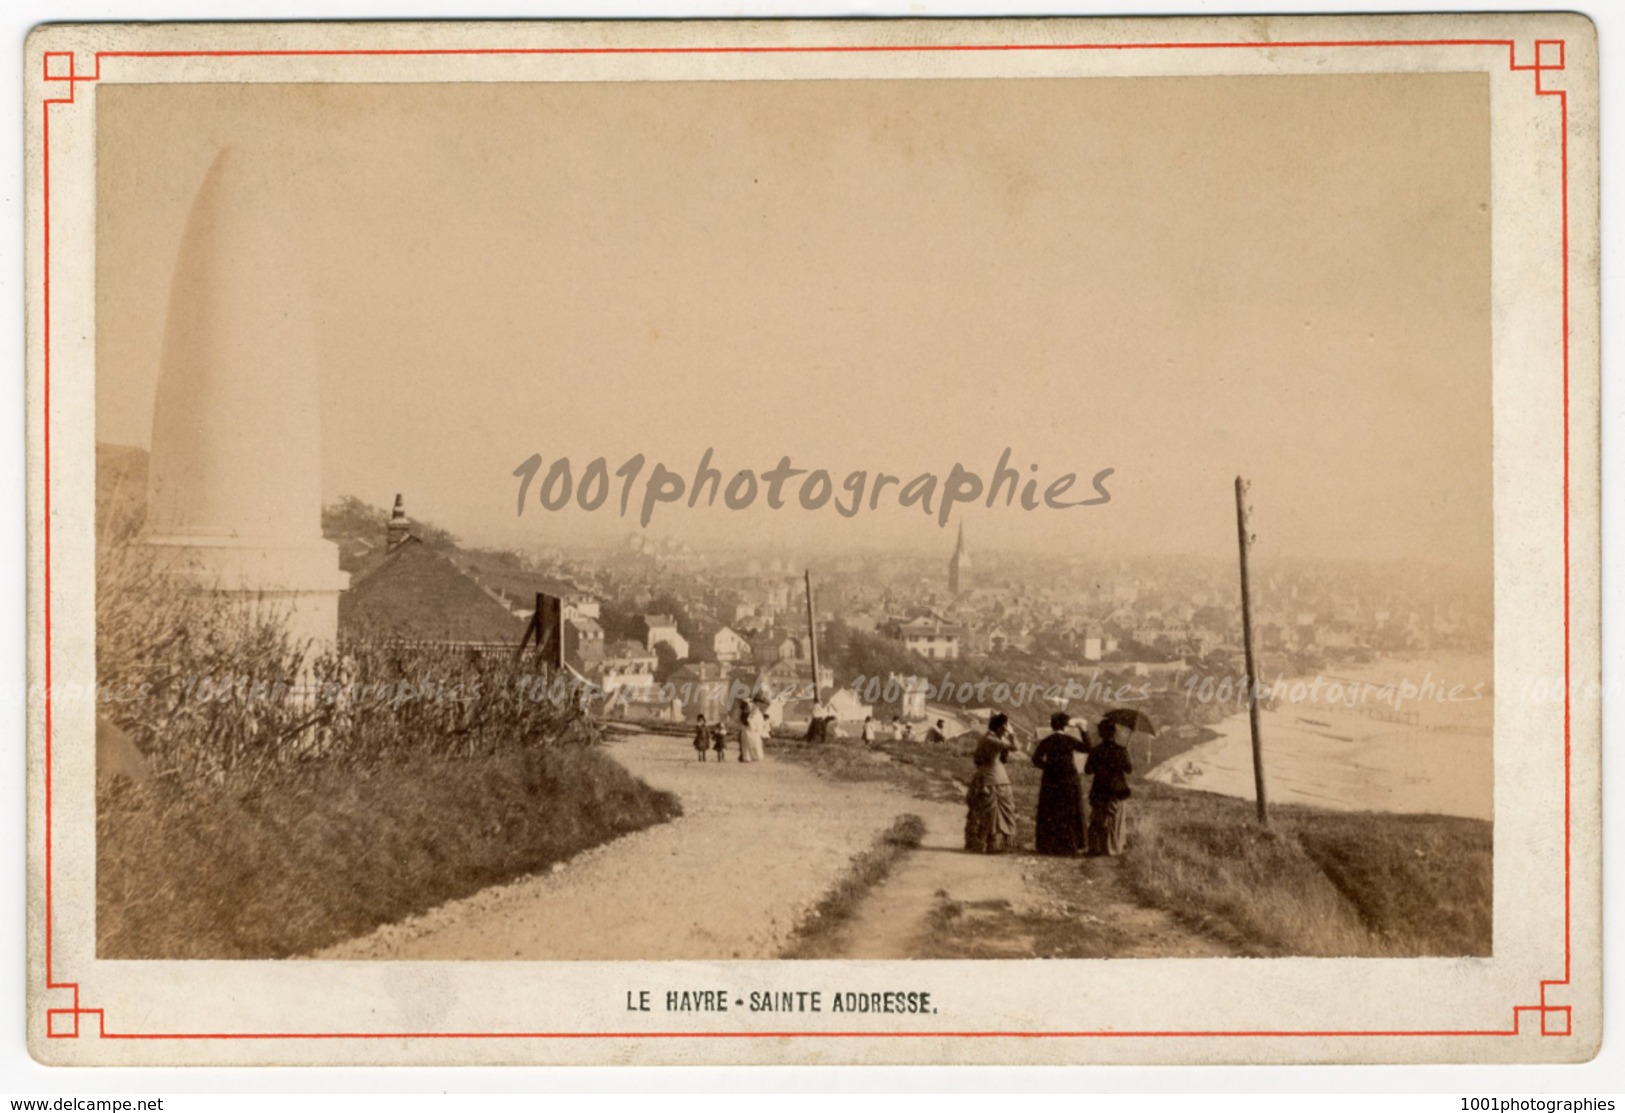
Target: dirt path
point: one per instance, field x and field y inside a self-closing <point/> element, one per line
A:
<point x="756" y="847"/>
<point x="896" y="919"/>
<point x="940" y="902"/>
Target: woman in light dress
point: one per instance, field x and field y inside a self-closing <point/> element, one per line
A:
<point x="753" y="733"/>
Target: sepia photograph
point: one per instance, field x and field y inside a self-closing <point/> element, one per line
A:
<point x="842" y="539"/>
<point x="831" y="518"/>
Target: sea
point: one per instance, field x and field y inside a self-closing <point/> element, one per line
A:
<point x="1396" y="735"/>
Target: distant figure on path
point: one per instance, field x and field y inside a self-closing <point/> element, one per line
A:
<point x="754" y="732"/>
<point x="702" y="737"/>
<point x="1109" y="765"/>
<point x="908" y="732"/>
<point x="719" y="740"/>
<point x="896" y="728"/>
<point x="990" y="818"/>
<point x="821" y="724"/>
<point x="935" y="736"/>
<point x="1060" y="793"/>
<point x="869" y="730"/>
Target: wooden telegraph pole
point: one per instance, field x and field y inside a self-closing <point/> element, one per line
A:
<point x="1245" y="540"/>
<point x="812" y="639"/>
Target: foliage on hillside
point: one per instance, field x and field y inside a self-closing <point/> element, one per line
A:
<point x="353" y="517"/>
<point x="293" y="798"/>
<point x="310" y="854"/>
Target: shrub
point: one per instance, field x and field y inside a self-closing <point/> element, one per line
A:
<point x="206" y="687"/>
<point x="296" y="798"/>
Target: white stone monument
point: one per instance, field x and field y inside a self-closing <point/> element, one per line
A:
<point x="234" y="481"/>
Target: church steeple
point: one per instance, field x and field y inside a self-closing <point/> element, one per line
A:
<point x="959" y="566"/>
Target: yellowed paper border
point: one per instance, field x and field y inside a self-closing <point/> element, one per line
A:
<point x="1537" y="999"/>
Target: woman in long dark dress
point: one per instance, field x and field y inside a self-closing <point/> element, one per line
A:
<point x="1109" y="765"/>
<point x="990" y="815"/>
<point x="1060" y="791"/>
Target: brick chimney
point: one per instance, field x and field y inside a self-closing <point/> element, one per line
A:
<point x="400" y="527"/>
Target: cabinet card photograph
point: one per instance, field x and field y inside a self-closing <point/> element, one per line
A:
<point x="942" y="542"/>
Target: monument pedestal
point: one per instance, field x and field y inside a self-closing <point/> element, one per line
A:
<point x="297" y="586"/>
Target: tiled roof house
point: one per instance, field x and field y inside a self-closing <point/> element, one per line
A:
<point x="413" y="593"/>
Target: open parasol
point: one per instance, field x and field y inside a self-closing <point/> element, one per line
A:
<point x="1130" y="718"/>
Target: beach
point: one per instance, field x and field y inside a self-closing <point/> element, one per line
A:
<point x="1394" y="735"/>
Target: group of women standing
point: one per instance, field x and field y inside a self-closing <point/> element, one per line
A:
<point x="990" y="823"/>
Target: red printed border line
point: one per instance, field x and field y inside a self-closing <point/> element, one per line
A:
<point x="60" y="67"/>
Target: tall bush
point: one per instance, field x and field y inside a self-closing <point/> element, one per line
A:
<point x="207" y="687"/>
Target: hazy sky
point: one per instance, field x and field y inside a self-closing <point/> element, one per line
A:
<point x="1181" y="279"/>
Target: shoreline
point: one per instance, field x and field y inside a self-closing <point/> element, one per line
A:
<point x="1412" y="756"/>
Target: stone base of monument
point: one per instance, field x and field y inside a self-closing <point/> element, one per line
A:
<point x="296" y="586"/>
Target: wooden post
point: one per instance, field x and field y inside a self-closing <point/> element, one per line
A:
<point x="532" y="630"/>
<point x="1245" y="541"/>
<point x="558" y="638"/>
<point x="550" y="646"/>
<point x="812" y="640"/>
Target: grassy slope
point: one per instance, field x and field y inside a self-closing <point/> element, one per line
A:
<point x="317" y="853"/>
<point x="1317" y="882"/>
<point x="1422" y="883"/>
